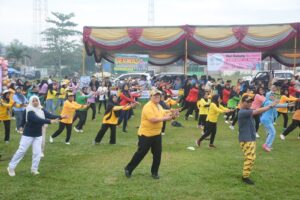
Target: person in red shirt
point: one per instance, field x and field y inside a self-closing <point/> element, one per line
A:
<point x="226" y="94"/>
<point x="125" y="99"/>
<point x="191" y="100"/>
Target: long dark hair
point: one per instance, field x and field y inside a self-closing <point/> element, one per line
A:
<point x="215" y="99"/>
<point x="50" y="88"/>
<point x="126" y="92"/>
<point x="42" y="83"/>
<point x="110" y="106"/>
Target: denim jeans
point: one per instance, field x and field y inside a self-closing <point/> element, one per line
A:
<point x="19" y="118"/>
<point x="270" y="129"/>
<point x="50" y="106"/>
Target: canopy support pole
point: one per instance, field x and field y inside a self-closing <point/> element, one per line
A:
<point x="185" y="57"/>
<point x="295" y="53"/>
<point x="83" y="60"/>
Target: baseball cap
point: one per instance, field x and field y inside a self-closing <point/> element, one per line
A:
<point x="155" y="91"/>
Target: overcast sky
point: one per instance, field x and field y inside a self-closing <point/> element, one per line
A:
<point x="16" y="16"/>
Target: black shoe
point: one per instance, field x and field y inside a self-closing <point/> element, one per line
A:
<point x="248" y="181"/>
<point x="127" y="173"/>
<point x="155" y="176"/>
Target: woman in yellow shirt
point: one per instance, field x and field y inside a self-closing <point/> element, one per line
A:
<point x="110" y="119"/>
<point x="203" y="106"/>
<point x="51" y="95"/>
<point x="215" y="109"/>
<point x="285" y="98"/>
<point x="5" y="105"/>
<point x="68" y="112"/>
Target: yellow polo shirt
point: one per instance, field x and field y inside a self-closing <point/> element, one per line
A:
<point x="113" y="119"/>
<point x="69" y="109"/>
<point x="51" y="96"/>
<point x="214" y="111"/>
<point x="5" y="110"/>
<point x="62" y="93"/>
<point x="202" y="106"/>
<point x="151" y="110"/>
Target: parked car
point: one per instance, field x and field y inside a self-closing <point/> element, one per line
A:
<point x="120" y="79"/>
<point x="279" y="76"/>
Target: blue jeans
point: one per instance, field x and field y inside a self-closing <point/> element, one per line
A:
<point x="60" y="103"/>
<point x="50" y="106"/>
<point x="19" y="118"/>
<point x="270" y="129"/>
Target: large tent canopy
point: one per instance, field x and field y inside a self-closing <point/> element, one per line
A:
<point x="166" y="45"/>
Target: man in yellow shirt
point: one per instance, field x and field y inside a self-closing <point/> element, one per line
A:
<point x="5" y="105"/>
<point x="149" y="133"/>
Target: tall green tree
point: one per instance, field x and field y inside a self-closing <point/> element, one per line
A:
<point x="17" y="53"/>
<point x="60" y="38"/>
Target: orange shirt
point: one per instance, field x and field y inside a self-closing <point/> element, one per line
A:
<point x="69" y="109"/>
<point x="296" y="115"/>
<point x="284" y="99"/>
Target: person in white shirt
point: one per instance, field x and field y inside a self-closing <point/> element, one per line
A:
<point x="103" y="94"/>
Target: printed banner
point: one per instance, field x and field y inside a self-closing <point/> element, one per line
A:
<point x="233" y="61"/>
<point x="125" y="63"/>
<point x="85" y="81"/>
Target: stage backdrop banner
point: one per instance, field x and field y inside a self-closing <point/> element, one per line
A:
<point x="233" y="61"/>
<point x="127" y="63"/>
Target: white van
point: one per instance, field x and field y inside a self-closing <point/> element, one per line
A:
<point x="126" y="76"/>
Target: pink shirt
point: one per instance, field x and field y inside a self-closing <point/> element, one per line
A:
<point x="258" y="101"/>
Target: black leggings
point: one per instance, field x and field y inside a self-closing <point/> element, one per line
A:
<point x="6" y="129"/>
<point x="202" y="120"/>
<point x="103" y="130"/>
<point x="82" y="114"/>
<point x="285" y="118"/>
<point x="257" y="121"/>
<point x="93" y="107"/>
<point x="291" y="127"/>
<point x="100" y="104"/>
<point x="210" y="129"/>
<point x="60" y="130"/>
<point x="191" y="106"/>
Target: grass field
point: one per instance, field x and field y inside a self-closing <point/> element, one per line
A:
<point x="84" y="171"/>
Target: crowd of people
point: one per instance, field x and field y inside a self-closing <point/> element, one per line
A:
<point x="35" y="105"/>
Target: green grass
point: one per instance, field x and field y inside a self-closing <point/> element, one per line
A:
<point x="83" y="171"/>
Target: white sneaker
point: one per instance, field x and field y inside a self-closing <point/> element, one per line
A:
<point x="282" y="137"/>
<point x="13" y="118"/>
<point x="51" y="139"/>
<point x="7" y="142"/>
<point x="231" y="127"/>
<point x="298" y="137"/>
<point x="191" y="116"/>
<point x="75" y="129"/>
<point x="35" y="172"/>
<point x="42" y="155"/>
<point x="257" y="136"/>
<point x="227" y="122"/>
<point x="67" y="143"/>
<point x="11" y="172"/>
<point x="81" y="131"/>
<point x="274" y="123"/>
<point x="224" y="116"/>
<point x="163" y="133"/>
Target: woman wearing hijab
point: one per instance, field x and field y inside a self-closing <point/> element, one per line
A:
<point x="267" y="120"/>
<point x="110" y="119"/>
<point x="35" y="118"/>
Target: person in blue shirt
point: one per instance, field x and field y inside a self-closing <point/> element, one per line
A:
<point x="19" y="108"/>
<point x="267" y="119"/>
<point x="34" y="119"/>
